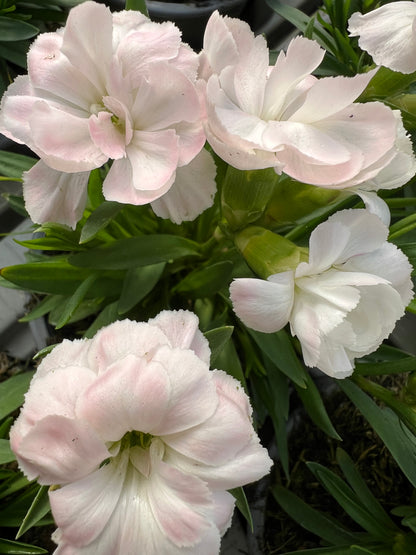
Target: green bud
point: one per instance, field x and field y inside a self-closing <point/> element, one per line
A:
<point x="245" y="195"/>
<point x="292" y="200"/>
<point x="268" y="253"/>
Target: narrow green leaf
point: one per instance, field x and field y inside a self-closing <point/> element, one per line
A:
<point x="402" y="227"/>
<point x="139" y="5"/>
<point x="5" y="427"/>
<point x="242" y="505"/>
<point x="273" y="391"/>
<point x="49" y="244"/>
<point x="206" y="281"/>
<point x="397" y="438"/>
<point x="43" y="307"/>
<point x="9" y="547"/>
<point x="363" y="492"/>
<point x="327" y="528"/>
<point x="38" y="509"/>
<point x="107" y="316"/>
<point x="217" y="339"/>
<point x="45" y="351"/>
<point x="58" y="277"/>
<point x="13" y="165"/>
<point x="407" y="364"/>
<point x="349" y="501"/>
<point x="99" y="219"/>
<point x="367" y="549"/>
<point x="138" y="282"/>
<point x="6" y="454"/>
<point x="144" y="250"/>
<point x="312" y="401"/>
<point x="12" y="392"/>
<point x="278" y="347"/>
<point x="14" y="483"/>
<point x="227" y="360"/>
<point x="15" y="29"/>
<point x="75" y="300"/>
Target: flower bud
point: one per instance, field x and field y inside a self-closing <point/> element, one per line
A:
<point x="268" y="253"/>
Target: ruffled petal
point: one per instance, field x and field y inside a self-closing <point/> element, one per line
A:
<point x="181" y="328"/>
<point x="345" y="234"/>
<point x="165" y="97"/>
<point x="83" y="508"/>
<point x="387" y="33"/>
<point x="192" y="192"/>
<point x="71" y="150"/>
<point x="54" y="196"/>
<point x="220" y="437"/>
<point x="53" y="75"/>
<point x="263" y="305"/>
<point x="59" y="450"/>
<point x="87" y="41"/>
<point x="122" y="338"/>
<point x="192" y="399"/>
<point x="133" y="394"/>
<point x="290" y="71"/>
<point x="389" y="263"/>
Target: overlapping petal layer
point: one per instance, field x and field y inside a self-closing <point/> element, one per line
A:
<point x="140" y="438"/>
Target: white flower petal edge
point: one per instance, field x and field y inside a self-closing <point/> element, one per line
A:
<point x="388" y="35"/>
<point x="140" y="439"/>
<point x="192" y="192"/>
<point x="54" y="196"/>
<point x="342" y="303"/>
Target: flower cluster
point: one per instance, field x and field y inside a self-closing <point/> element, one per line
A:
<point x="118" y="87"/>
<point x="139" y="439"/>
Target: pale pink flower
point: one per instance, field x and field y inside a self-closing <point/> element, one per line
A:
<point x="388" y="34"/>
<point x="284" y="117"/>
<point x="106" y="87"/>
<point x="342" y="303"/>
<point x="141" y="438"/>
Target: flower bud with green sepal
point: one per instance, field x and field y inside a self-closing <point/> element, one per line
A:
<point x="292" y="200"/>
<point x="268" y="253"/>
<point x="245" y="195"/>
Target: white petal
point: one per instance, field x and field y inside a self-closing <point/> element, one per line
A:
<point x="345" y="234"/>
<point x="181" y="328"/>
<point x="87" y="41"/>
<point x="55" y="77"/>
<point x="59" y="450"/>
<point x="192" y="192"/>
<point x="193" y="398"/>
<point x="302" y="57"/>
<point x="132" y="394"/>
<point x="387" y="33"/>
<point x="220" y="437"/>
<point x="122" y="338"/>
<point x="83" y="508"/>
<point x="263" y="305"/>
<point x="54" y="196"/>
<point x="375" y="205"/>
